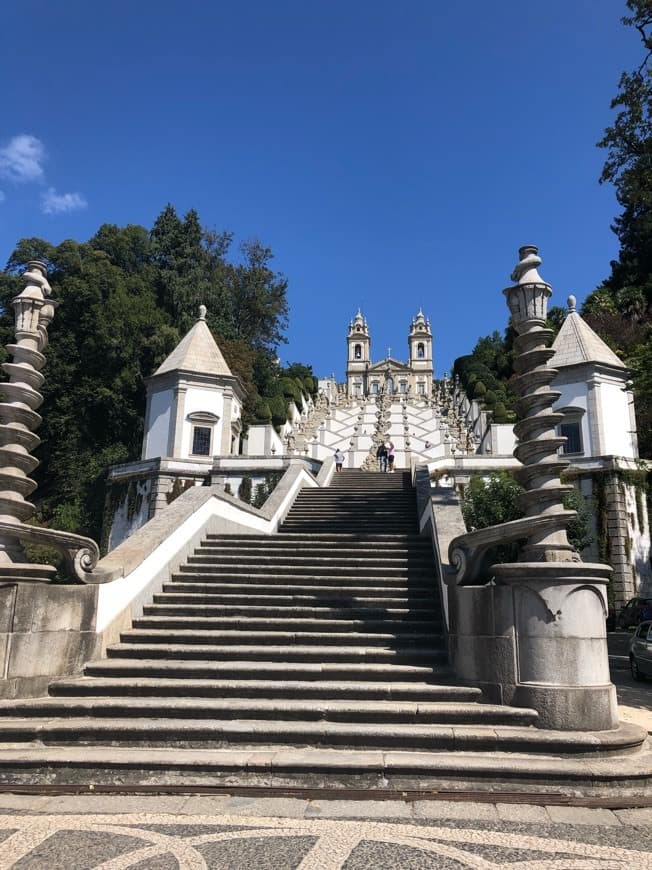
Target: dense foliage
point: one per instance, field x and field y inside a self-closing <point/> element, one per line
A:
<point x="485" y="374"/>
<point x="126" y="297"/>
<point x="621" y="309"/>
<point x="493" y="499"/>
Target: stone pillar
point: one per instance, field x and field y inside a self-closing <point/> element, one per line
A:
<point x="618" y="538"/>
<point x="33" y="311"/>
<point x="225" y="446"/>
<point x="176" y="421"/>
<point x="559" y="604"/>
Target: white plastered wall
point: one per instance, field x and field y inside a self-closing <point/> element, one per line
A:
<point x="160" y="410"/>
<point x="198" y="399"/>
<point x="616" y="420"/>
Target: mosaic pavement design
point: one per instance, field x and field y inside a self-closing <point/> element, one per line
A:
<point x="151" y="841"/>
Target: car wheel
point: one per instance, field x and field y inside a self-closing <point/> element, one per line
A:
<point x="636" y="673"/>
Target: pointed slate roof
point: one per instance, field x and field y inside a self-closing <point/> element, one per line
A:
<point x="577" y="344"/>
<point x="196" y="352"/>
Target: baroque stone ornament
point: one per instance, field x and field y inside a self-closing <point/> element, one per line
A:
<point x="33" y="309"/>
<point x="538" y="443"/>
<point x="551" y="603"/>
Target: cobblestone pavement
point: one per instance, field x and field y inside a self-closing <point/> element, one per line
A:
<point x="165" y="832"/>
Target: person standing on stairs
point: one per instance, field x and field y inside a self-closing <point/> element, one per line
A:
<point x="381" y="456"/>
<point x="339" y="459"/>
<point x="391" y="454"/>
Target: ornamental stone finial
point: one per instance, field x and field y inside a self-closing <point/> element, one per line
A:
<point x="525" y="271"/>
<point x="528" y="298"/>
<point x="202" y="312"/>
<point x="571" y="302"/>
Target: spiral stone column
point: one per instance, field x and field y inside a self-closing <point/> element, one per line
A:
<point x="558" y="604"/>
<point x="538" y="444"/>
<point x="33" y="311"/>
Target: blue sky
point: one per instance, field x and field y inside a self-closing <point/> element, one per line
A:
<point x="392" y="155"/>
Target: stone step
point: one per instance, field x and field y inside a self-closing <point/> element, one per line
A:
<point x="398" y="545"/>
<point x="147" y="630"/>
<point x="392" y="589"/>
<point x="290" y="710"/>
<point x="545" y="771"/>
<point x="322" y="617"/>
<point x="314" y="597"/>
<point x="372" y="509"/>
<point x="402" y="497"/>
<point x="285" y="670"/>
<point x="292" y="552"/>
<point x="257" y="733"/>
<point x="326" y="537"/>
<point x="317" y="564"/>
<point x="270" y="689"/>
<point x="301" y="564"/>
<point x="308" y="527"/>
<point x="282" y="622"/>
<point x="185" y="650"/>
<point x="212" y="575"/>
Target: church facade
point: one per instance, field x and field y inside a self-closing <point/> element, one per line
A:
<point x="365" y="378"/>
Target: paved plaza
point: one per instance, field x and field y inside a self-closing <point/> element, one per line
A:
<point x="166" y="832"/>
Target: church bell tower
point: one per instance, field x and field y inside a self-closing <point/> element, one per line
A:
<point x="421" y="365"/>
<point x="359" y="357"/>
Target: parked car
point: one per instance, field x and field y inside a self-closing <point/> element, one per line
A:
<point x="640" y="651"/>
<point x="636" y="610"/>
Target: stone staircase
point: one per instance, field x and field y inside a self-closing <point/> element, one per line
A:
<point x="315" y="656"/>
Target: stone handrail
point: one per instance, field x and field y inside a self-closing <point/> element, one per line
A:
<point x="467" y="552"/>
<point x="80" y="554"/>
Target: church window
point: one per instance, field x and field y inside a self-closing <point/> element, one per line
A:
<point x="358" y="351"/>
<point x="403" y="386"/>
<point x="573" y="434"/>
<point x="374" y="387"/>
<point x="421" y="388"/>
<point x="571" y="429"/>
<point x="201" y="440"/>
<point x="421" y="351"/>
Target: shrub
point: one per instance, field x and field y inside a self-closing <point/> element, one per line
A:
<point x="262" y="412"/>
<point x="244" y="490"/>
<point x="278" y="409"/>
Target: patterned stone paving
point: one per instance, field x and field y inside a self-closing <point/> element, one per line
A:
<point x="284" y="834"/>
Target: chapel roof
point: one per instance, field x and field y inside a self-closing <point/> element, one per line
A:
<point x="196" y="352"/>
<point x="577" y="344"/>
<point x="389" y="362"/>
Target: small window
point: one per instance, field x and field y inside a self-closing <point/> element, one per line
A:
<point x="421" y="388"/>
<point x="421" y="351"/>
<point x="201" y="441"/>
<point x="374" y="387"/>
<point x="403" y="387"/>
<point x="357" y="353"/>
<point x="573" y="434"/>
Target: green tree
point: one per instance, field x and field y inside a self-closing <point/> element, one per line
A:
<point x="619" y="310"/>
<point x="126" y="296"/>
<point x="492" y="499"/>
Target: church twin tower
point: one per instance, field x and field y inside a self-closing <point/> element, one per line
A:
<point x="366" y="378"/>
